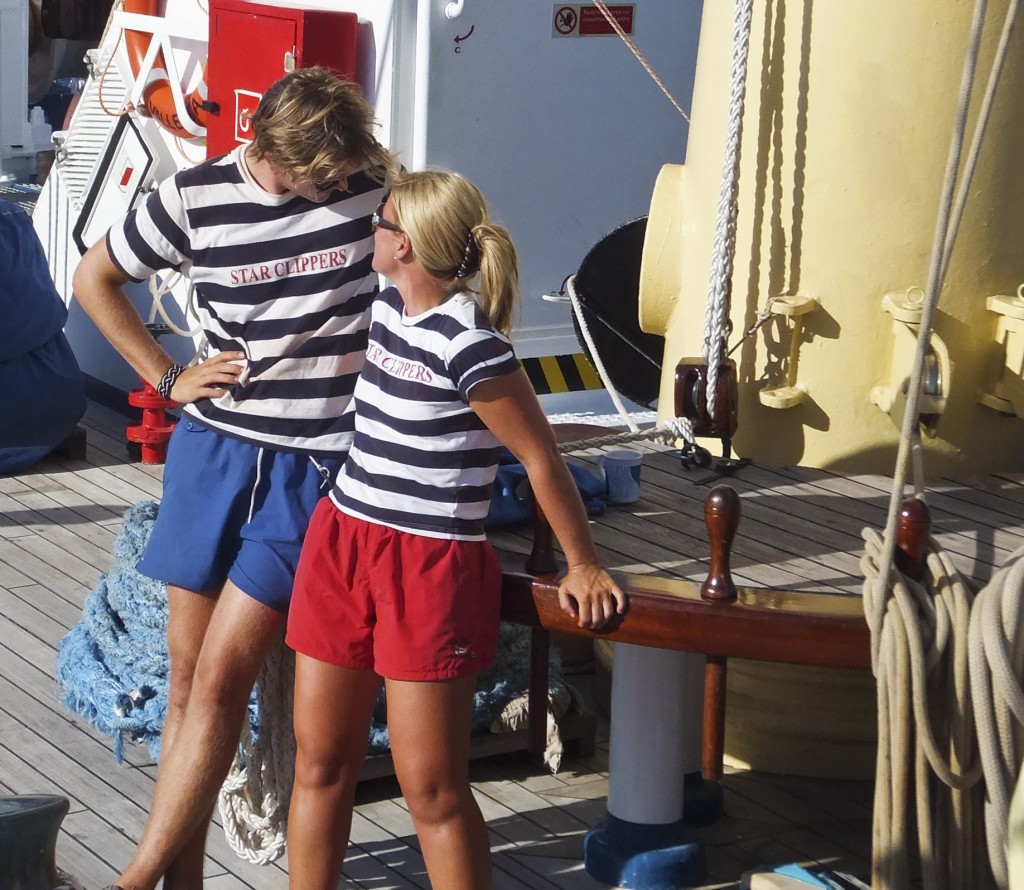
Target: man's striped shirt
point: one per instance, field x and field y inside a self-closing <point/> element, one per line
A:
<point x="422" y="460"/>
<point x="284" y="280"/>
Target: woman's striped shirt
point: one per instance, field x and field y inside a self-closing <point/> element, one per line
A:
<point x="422" y="460"/>
<point x="282" y="279"/>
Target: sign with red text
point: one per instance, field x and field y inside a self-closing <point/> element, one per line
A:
<point x="585" y="20"/>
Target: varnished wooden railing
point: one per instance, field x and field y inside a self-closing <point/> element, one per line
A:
<point x="717" y="619"/>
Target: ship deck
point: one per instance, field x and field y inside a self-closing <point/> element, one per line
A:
<point x="800" y="531"/>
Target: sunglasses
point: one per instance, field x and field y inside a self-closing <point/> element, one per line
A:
<point x="328" y="185"/>
<point x="378" y="221"/>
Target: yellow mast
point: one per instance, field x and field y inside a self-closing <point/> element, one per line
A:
<point x="846" y="130"/>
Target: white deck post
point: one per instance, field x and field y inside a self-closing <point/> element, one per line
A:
<point x="656" y="732"/>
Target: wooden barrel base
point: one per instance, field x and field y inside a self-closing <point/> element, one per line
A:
<point x="801" y="721"/>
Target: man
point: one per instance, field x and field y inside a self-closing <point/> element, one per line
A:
<point x="277" y="238"/>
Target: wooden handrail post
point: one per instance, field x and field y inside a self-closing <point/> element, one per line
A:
<point x="912" y="531"/>
<point x="541" y="560"/>
<point x="713" y="745"/>
<point x="537" y="697"/>
<point x="722" y="518"/>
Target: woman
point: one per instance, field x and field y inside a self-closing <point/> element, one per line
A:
<point x="396" y="578"/>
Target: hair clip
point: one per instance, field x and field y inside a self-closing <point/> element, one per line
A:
<point x="470" y="258"/>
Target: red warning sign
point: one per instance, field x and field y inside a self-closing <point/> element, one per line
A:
<point x="245" y="107"/>
<point x="586" y="20"/>
<point x="593" y="21"/>
<point x="567" y="18"/>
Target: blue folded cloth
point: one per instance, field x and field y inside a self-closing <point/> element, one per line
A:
<point x="42" y="390"/>
<point x="510" y="493"/>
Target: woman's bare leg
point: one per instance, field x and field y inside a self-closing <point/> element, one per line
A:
<point x="429" y="725"/>
<point x="333" y="707"/>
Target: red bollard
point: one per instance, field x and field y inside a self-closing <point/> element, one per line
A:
<point x="155" y="429"/>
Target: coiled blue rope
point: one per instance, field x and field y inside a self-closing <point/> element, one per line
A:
<point x="113" y="663"/>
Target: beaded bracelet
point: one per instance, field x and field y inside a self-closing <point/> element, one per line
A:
<point x="167" y="382"/>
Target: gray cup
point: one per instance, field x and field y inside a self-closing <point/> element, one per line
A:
<point x="621" y="473"/>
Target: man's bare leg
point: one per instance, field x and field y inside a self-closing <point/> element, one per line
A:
<point x="234" y="647"/>
<point x="188" y="618"/>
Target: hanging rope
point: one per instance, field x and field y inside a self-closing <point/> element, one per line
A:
<point x="668" y="433"/>
<point x="626" y="39"/>
<point x="716" y="320"/>
<point x="984" y="114"/>
<point x="716" y="325"/>
<point x="931" y="299"/>
<point x="942" y="247"/>
<point x="577" y="309"/>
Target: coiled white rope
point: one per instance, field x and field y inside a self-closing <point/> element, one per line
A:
<point x="158" y="291"/>
<point x="253" y="800"/>
<point x="716" y="319"/>
<point x="667" y="433"/>
<point x="997" y="665"/>
<point x="924" y="726"/>
<point x="1015" y="837"/>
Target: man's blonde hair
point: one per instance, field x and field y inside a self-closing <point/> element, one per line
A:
<point x="315" y="127"/>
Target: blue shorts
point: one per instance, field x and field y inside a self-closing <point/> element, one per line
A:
<point x="233" y="511"/>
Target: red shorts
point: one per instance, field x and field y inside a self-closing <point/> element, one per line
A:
<point x="406" y="606"/>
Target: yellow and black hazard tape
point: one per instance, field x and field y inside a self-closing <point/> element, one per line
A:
<point x="561" y="373"/>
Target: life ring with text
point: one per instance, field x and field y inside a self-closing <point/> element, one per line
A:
<point x="157" y="97"/>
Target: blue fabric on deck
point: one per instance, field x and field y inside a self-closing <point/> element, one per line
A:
<point x="511" y="500"/>
<point x="42" y="391"/>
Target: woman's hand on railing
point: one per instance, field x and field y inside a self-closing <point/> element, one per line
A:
<point x="588" y="594"/>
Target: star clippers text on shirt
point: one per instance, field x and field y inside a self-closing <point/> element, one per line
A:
<point x="311" y="262"/>
<point x="397" y="367"/>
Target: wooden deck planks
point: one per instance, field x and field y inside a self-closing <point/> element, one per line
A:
<point x="800" y="527"/>
<point x="800" y="530"/>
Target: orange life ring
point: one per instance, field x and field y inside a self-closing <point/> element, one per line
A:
<point x="157" y="95"/>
